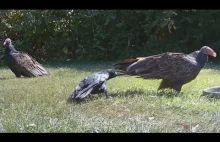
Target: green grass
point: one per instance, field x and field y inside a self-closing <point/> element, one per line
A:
<point x="40" y="104"/>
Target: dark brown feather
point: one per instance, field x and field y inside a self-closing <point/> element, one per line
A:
<point x="170" y="67"/>
<point x="28" y="66"/>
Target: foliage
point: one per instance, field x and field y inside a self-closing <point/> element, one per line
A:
<point x="109" y="34"/>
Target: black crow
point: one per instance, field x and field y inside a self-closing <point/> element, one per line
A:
<point x="94" y="84"/>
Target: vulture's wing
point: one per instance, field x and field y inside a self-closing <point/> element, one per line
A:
<point x="170" y="66"/>
<point x="28" y="65"/>
<point x="129" y="65"/>
<point x="87" y="85"/>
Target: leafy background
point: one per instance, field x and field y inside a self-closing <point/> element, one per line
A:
<point x="108" y="34"/>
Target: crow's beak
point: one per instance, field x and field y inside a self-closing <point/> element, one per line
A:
<point x="119" y="73"/>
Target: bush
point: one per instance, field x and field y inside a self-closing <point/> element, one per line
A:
<point x="108" y="34"/>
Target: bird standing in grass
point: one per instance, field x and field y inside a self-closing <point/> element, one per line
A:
<point x="175" y="69"/>
<point x="22" y="64"/>
<point x="94" y="84"/>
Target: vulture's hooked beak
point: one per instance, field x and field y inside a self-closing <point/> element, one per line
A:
<point x="214" y="54"/>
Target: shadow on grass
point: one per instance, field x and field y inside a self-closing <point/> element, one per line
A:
<point x="81" y="65"/>
<point x="169" y="93"/>
<point x="87" y="66"/>
<point x="6" y="78"/>
<point x="128" y="93"/>
<point x="22" y="77"/>
<point x="93" y="66"/>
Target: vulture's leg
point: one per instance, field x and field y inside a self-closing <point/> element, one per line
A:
<point x="18" y="75"/>
<point x="177" y="87"/>
<point x="164" y="84"/>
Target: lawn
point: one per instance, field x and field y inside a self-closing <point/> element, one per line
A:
<point x="40" y="104"/>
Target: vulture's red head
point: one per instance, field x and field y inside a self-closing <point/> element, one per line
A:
<point x="7" y="41"/>
<point x="208" y="51"/>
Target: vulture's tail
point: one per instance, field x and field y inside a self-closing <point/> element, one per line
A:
<point x="140" y="64"/>
<point x="122" y="66"/>
<point x="42" y="70"/>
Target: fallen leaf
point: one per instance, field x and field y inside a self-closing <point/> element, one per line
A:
<point x="186" y="126"/>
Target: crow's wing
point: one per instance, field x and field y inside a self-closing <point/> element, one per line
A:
<point x="88" y="84"/>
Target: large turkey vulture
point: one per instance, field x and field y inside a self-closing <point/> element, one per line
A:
<point x="22" y="64"/>
<point x="94" y="84"/>
<point x="175" y="69"/>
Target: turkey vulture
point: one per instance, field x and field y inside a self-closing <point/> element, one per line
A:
<point x="22" y="64"/>
<point x="175" y="69"/>
<point x="94" y="84"/>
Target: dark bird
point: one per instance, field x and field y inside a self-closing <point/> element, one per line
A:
<point x="94" y="84"/>
<point x="22" y="64"/>
<point x="175" y="69"/>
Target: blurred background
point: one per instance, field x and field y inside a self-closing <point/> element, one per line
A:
<point x="109" y="34"/>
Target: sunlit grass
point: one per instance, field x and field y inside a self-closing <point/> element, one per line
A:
<point x="40" y="104"/>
